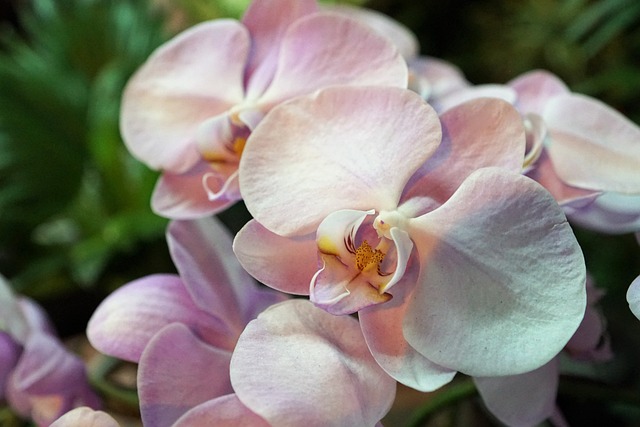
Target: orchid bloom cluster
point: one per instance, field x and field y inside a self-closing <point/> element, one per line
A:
<point x="420" y="221"/>
<point x="39" y="377"/>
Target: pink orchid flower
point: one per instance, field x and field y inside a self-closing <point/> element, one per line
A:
<point x="85" y="417"/>
<point x="591" y="153"/>
<point x="182" y="331"/>
<point x="189" y="109"/>
<point x="526" y="400"/>
<point x="370" y="203"/>
<point x="39" y="377"/>
<point x="582" y="151"/>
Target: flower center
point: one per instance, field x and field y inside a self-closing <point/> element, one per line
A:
<point x="367" y="257"/>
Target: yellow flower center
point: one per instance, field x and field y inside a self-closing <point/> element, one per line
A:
<point x="367" y="257"/>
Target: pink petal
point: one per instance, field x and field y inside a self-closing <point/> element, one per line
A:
<point x="195" y="76"/>
<point x="610" y="212"/>
<point x="224" y="411"/>
<point x="460" y="96"/>
<point x="298" y="365"/>
<point x="535" y="89"/>
<point x="484" y="305"/>
<point x="476" y="134"/>
<point x="85" y="417"/>
<point x="9" y="354"/>
<point x="325" y="49"/>
<point x="402" y="38"/>
<point x="183" y="196"/>
<point x="288" y="179"/>
<point x="202" y="252"/>
<point x="544" y="173"/>
<point x="435" y="78"/>
<point x="382" y="328"/>
<point x="283" y="263"/>
<point x="177" y="372"/>
<point x="592" y="145"/>
<point x="522" y="400"/>
<point x="267" y="22"/>
<point x="13" y="319"/>
<point x="127" y="319"/>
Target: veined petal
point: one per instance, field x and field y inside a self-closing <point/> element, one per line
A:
<point x="535" y="89"/>
<point x="593" y="146"/>
<point x="224" y="411"/>
<point x="402" y="38"/>
<point x="177" y="372"/>
<point x="460" y="96"/>
<point x="382" y="329"/>
<point x="479" y="133"/>
<point x="292" y="180"/>
<point x="523" y="400"/>
<point x="297" y="365"/>
<point x="195" y="76"/>
<point x="267" y="22"/>
<point x="183" y="196"/>
<point x="325" y="49"/>
<point x="283" y="263"/>
<point x="502" y="286"/>
<point x="126" y="320"/>
<point x="202" y="252"/>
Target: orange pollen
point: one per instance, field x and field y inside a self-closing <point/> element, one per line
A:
<point x="238" y="145"/>
<point x="367" y="257"/>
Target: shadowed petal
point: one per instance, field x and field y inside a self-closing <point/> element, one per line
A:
<point x="297" y="365"/>
<point x="592" y="145"/>
<point x="288" y="179"/>
<point x="224" y="411"/>
<point x="523" y="400"/>
<point x="502" y="286"/>
<point x="535" y="89"/>
<point x="177" y="372"/>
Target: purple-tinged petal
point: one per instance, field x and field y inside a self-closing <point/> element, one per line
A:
<point x="297" y="365"/>
<point x="476" y="134"/>
<point x="566" y="195"/>
<point x="9" y="353"/>
<point x="593" y="146"/>
<point x="224" y="411"/>
<point x="283" y="263"/>
<point x="48" y="381"/>
<point x="590" y="341"/>
<point x="402" y="38"/>
<point x="523" y="400"/>
<point x="535" y="89"/>
<point x="633" y="297"/>
<point x="183" y="196"/>
<point x="455" y="98"/>
<point x="177" y="372"/>
<point x="609" y="212"/>
<point x="36" y="317"/>
<point x="203" y="254"/>
<point x="434" y="78"/>
<point x="126" y="320"/>
<point x="502" y="286"/>
<point x="325" y="49"/>
<point x="382" y="329"/>
<point x="289" y="179"/>
<point x="195" y="76"/>
<point x="267" y="22"/>
<point x="85" y="417"/>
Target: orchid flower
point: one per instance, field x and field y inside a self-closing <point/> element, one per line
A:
<point x="182" y="331"/>
<point x="370" y="203"/>
<point x="526" y="400"/>
<point x="189" y="109"/>
<point x="39" y="377"/>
